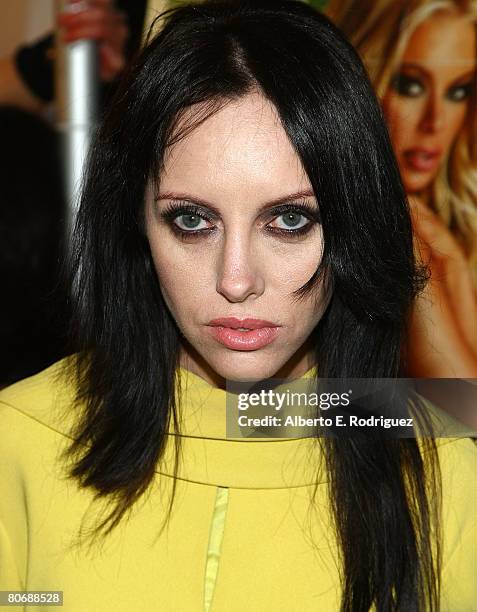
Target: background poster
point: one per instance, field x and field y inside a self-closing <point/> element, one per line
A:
<point x="421" y="59"/>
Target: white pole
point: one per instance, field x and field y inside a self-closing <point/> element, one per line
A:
<point x="77" y="85"/>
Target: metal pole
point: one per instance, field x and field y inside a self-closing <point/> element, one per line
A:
<point x="77" y="85"/>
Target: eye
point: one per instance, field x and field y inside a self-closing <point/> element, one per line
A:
<point x="186" y="219"/>
<point x="407" y="86"/>
<point x="458" y="93"/>
<point x="292" y="220"/>
<point x="190" y="222"/>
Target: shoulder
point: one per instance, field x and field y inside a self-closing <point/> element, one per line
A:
<point x="42" y="401"/>
<point x="462" y="450"/>
<point x="458" y="465"/>
<point x="35" y="416"/>
<point x="36" y="422"/>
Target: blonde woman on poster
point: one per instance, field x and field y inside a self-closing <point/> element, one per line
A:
<point x="421" y="57"/>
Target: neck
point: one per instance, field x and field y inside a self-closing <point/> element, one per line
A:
<point x="423" y="196"/>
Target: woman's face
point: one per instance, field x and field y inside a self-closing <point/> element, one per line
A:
<point x="428" y="99"/>
<point x="233" y="232"/>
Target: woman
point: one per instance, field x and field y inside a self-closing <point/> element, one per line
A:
<point x="421" y="57"/>
<point x="238" y="181"/>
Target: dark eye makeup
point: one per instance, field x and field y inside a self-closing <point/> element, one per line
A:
<point x="193" y="214"/>
<point x="457" y="93"/>
<point x="413" y="87"/>
<point x="408" y="86"/>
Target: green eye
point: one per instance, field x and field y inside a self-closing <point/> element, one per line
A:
<point x="190" y="221"/>
<point x="459" y="93"/>
<point x="407" y="86"/>
<point x="292" y="219"/>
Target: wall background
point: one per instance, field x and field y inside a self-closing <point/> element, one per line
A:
<point x="23" y="21"/>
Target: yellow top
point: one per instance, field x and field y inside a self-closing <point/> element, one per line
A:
<point x="242" y="535"/>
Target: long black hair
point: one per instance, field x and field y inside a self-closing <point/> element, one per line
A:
<point x="128" y="344"/>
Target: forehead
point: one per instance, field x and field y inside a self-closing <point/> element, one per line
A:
<point x="240" y="152"/>
<point x="446" y="40"/>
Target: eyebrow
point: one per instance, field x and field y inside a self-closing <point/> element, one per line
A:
<point x="463" y="77"/>
<point x="184" y="197"/>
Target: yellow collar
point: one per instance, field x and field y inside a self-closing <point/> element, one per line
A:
<point x="209" y="457"/>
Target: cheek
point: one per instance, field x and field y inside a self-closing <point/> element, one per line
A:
<point x="294" y="267"/>
<point x="455" y="122"/>
<point x="180" y="278"/>
<point x="292" y="270"/>
<point x="402" y="117"/>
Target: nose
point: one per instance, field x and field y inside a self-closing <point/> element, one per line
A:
<point x="433" y="118"/>
<point x="239" y="269"/>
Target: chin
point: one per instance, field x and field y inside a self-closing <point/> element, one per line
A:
<point x="255" y="369"/>
<point x="415" y="184"/>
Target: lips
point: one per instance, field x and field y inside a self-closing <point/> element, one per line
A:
<point x="227" y="331"/>
<point x="247" y="323"/>
<point x="422" y="159"/>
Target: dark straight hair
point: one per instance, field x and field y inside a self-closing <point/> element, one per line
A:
<point x="384" y="493"/>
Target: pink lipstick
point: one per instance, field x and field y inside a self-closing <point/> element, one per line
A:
<point x="422" y="159"/>
<point x="243" y="334"/>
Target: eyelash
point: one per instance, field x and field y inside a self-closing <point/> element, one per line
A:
<point x="173" y="211"/>
<point x="401" y="82"/>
